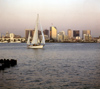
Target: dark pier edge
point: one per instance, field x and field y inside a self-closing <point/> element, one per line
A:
<point x="7" y="63"/>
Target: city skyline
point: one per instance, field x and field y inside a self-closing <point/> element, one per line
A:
<point x="68" y="33"/>
<point x="18" y="15"/>
<point x="52" y="36"/>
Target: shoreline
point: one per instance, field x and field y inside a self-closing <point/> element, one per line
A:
<point x="54" y="42"/>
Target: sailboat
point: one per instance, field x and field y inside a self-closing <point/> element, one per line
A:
<point x="36" y="43"/>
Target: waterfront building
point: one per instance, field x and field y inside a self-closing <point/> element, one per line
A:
<point x="61" y="36"/>
<point x="66" y="38"/>
<point x="15" y="38"/>
<point x="78" y="38"/>
<point x="12" y="38"/>
<point x="87" y="32"/>
<point x="98" y="40"/>
<point x="76" y="33"/>
<point x="53" y="33"/>
<point x="62" y="32"/>
<point x="46" y="38"/>
<point x="70" y="33"/>
<point x="87" y="37"/>
<point x="46" y="32"/>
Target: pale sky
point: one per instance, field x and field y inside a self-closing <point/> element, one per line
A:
<point x="18" y="15"/>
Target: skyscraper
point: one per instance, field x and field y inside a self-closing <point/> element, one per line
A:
<point x="76" y="33"/>
<point x="61" y="36"/>
<point x="87" y="32"/>
<point x="69" y="33"/>
<point x="53" y="33"/>
<point x="46" y="32"/>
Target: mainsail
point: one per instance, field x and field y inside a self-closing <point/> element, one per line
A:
<point x="35" y="37"/>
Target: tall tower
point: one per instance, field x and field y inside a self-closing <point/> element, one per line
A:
<point x="87" y="32"/>
<point x="46" y="32"/>
<point x="70" y="33"/>
<point x="53" y="33"/>
<point x="61" y="36"/>
<point x="76" y="33"/>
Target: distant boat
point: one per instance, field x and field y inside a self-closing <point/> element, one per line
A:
<point x="36" y="43"/>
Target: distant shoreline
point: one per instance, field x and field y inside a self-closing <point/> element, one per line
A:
<point x="57" y="42"/>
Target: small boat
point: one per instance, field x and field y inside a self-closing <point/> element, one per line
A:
<point x="36" y="43"/>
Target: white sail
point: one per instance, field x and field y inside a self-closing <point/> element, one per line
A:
<point x="43" y="38"/>
<point x="36" y="41"/>
<point x="35" y="37"/>
<point x="28" y="41"/>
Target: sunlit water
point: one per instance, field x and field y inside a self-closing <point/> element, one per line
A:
<point x="56" y="66"/>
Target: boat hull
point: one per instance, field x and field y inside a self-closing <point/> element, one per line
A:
<point x="35" y="47"/>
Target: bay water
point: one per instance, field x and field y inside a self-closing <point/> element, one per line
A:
<point x="56" y="66"/>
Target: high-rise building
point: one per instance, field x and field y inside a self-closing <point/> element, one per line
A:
<point x="62" y="33"/>
<point x="87" y="37"/>
<point x="87" y="32"/>
<point x="46" y="35"/>
<point x="76" y="33"/>
<point x="53" y="33"/>
<point x="27" y="33"/>
<point x="61" y="36"/>
<point x="70" y="33"/>
<point x="46" y="32"/>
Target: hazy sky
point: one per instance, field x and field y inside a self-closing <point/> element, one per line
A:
<point x="18" y="15"/>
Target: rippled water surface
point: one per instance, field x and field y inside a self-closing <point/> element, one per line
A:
<point x="56" y="66"/>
